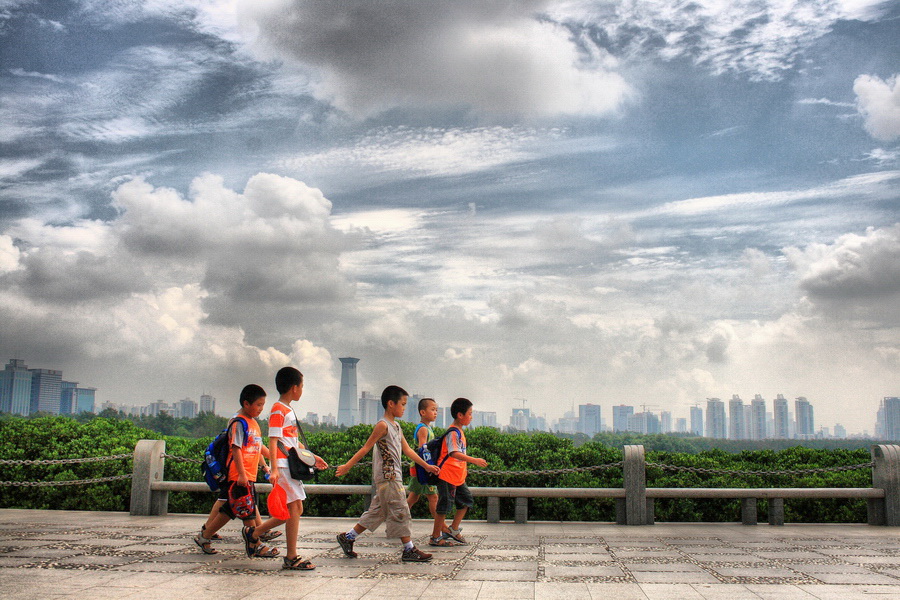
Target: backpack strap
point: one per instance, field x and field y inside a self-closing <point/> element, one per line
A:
<point x="444" y="443"/>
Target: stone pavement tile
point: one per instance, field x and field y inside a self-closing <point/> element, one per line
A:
<point x="585" y="558"/>
<point x="871" y="560"/>
<point x="150" y="567"/>
<point x="712" y="550"/>
<point x="648" y="567"/>
<point x="343" y="561"/>
<point x="724" y="591"/>
<point x="42" y="553"/>
<point x="340" y="589"/>
<point x="457" y="590"/>
<point x="90" y="561"/>
<point x="582" y="571"/>
<point x="506" y="553"/>
<point x="193" y="557"/>
<point x="154" y="548"/>
<point x="582" y="548"/>
<point x="477" y="575"/>
<point x="791" y="555"/>
<point x="629" y="554"/>
<point x="673" y="577"/>
<point x="405" y="588"/>
<point x="812" y="569"/>
<point x="728" y="558"/>
<point x="616" y="591"/>
<point x="854" y="552"/>
<point x="778" y="591"/>
<point x="429" y="568"/>
<point x="506" y="591"/>
<point x="856" y="578"/>
<point x="558" y="591"/>
<point x="338" y="571"/>
<point x="754" y="572"/>
<point x="502" y="565"/>
<point x="851" y="592"/>
<point x="670" y="591"/>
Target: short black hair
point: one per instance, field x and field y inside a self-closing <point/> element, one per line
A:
<point x="251" y="393"/>
<point x="286" y="378"/>
<point x="392" y="393"/>
<point x="460" y="406"/>
<point x="423" y="403"/>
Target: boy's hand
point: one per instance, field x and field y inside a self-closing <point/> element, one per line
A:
<point x="320" y="463"/>
<point x="479" y="462"/>
<point x="273" y="476"/>
<point x="342" y="470"/>
<point x="433" y="469"/>
<point x="242" y="481"/>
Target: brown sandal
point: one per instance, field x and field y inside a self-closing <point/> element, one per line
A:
<point x="263" y="551"/>
<point x="205" y="544"/>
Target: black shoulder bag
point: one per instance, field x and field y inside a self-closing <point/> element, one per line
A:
<point x="302" y="462"/>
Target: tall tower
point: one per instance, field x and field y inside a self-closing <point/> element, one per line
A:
<point x="716" y="427"/>
<point x="348" y="401"/>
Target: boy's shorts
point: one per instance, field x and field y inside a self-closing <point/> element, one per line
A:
<point x="223" y="495"/>
<point x="293" y="489"/>
<point x="422" y="489"/>
<point x="458" y="495"/>
<point x="388" y="505"/>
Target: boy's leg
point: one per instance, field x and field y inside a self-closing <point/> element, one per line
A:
<point x="432" y="504"/>
<point x="463" y="501"/>
<point x="292" y="527"/>
<point x="412" y="499"/>
<point x="442" y="507"/>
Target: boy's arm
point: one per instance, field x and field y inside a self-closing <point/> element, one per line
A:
<point x="411" y="454"/>
<point x="238" y="458"/>
<point x="378" y="432"/>
<point x="478" y="462"/>
<point x="421" y="437"/>
<point x="273" y="462"/>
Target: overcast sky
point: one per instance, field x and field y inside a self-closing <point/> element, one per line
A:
<point x="641" y="202"/>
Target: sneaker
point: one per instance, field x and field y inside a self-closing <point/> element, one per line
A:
<point x="456" y="534"/>
<point x="415" y="555"/>
<point x="346" y="545"/>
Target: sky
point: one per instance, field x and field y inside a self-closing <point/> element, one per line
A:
<point x="539" y="203"/>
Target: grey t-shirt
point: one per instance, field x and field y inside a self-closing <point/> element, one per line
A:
<point x="386" y="455"/>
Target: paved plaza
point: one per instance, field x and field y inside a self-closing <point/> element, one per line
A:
<point x="56" y="554"/>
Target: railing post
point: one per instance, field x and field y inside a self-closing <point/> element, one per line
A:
<point x="886" y="475"/>
<point x="634" y="477"/>
<point x="148" y="468"/>
<point x="493" y="509"/>
<point x="521" y="510"/>
<point x="776" y="511"/>
<point x="748" y="511"/>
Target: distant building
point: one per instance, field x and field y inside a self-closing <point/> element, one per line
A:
<point x="484" y="419"/>
<point x="737" y="425"/>
<point x="312" y="418"/>
<point x="15" y="388"/>
<point x="665" y="422"/>
<point x="805" y="422"/>
<point x="681" y="425"/>
<point x="697" y="420"/>
<point x="519" y="420"/>
<point x="887" y="425"/>
<point x="781" y="418"/>
<point x="716" y="426"/>
<point x="621" y="413"/>
<point x="85" y="399"/>
<point x="644" y="422"/>
<point x="329" y="419"/>
<point x="67" y="397"/>
<point x="348" y="400"/>
<point x="46" y="390"/>
<point x="568" y="423"/>
<point x="757" y="418"/>
<point x="590" y="420"/>
<point x="185" y="409"/>
<point x="840" y="432"/>
<point x="370" y="410"/>
<point x="207" y="403"/>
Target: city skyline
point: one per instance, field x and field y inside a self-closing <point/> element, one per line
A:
<point x="648" y="202"/>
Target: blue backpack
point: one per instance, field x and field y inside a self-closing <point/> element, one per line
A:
<point x="430" y="452"/>
<point x="217" y="456"/>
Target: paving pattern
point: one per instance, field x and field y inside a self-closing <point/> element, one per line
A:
<point x="50" y="554"/>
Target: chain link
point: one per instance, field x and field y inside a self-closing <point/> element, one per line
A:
<point x="706" y="471"/>
<point x="196" y="461"/>
<point x="62" y="483"/>
<point x="548" y="471"/>
<point x="65" y="461"/>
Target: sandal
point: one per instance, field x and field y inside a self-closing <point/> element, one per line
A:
<point x="297" y="564"/>
<point x="250" y="542"/>
<point x="205" y="544"/>
<point x="443" y="542"/>
<point x="270" y="535"/>
<point x="263" y="551"/>
<point x="215" y="536"/>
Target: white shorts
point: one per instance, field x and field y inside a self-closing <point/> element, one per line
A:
<point x="293" y="489"/>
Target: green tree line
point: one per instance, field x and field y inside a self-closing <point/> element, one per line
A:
<point x="62" y="437"/>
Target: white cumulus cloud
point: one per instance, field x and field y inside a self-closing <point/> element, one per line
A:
<point x="878" y="102"/>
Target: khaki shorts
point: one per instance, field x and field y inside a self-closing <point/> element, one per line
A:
<point x="388" y="506"/>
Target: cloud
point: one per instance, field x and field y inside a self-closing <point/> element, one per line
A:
<point x="878" y="102"/>
<point x="491" y="55"/>
<point x="9" y="254"/>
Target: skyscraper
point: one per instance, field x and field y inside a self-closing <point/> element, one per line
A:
<point x="15" y="388"/>
<point x="348" y="401"/>
<point x="67" y="397"/>
<point x="207" y="403"/>
<point x="665" y="422"/>
<point x="370" y="410"/>
<point x="620" y="417"/>
<point x="85" y="399"/>
<point x="805" y="422"/>
<point x="737" y="425"/>
<point x="782" y="419"/>
<point x="590" y="420"/>
<point x="46" y="390"/>
<point x="697" y="420"/>
<point x="758" y="418"/>
<point x="716" y="426"/>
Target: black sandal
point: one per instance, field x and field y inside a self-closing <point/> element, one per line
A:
<point x="215" y="536"/>
<point x="250" y="542"/>
<point x="297" y="564"/>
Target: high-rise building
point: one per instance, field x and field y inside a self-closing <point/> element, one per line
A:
<point x="15" y="388"/>
<point x="758" y="418"/>
<point x="590" y="420"/>
<point x="312" y="418"/>
<point x="443" y="419"/>
<point x="665" y="422"/>
<point x="840" y="431"/>
<point x="805" y="422"/>
<point x="67" y="395"/>
<point x="520" y="419"/>
<point x="697" y="420"/>
<point x="186" y="409"/>
<point x="207" y="403"/>
<point x="620" y="417"/>
<point x="568" y="423"/>
<point x="484" y="419"/>
<point x="887" y="425"/>
<point x="644" y="422"/>
<point x="348" y="406"/>
<point x="370" y="410"/>
<point x="716" y="426"/>
<point x="781" y="418"/>
<point x="681" y="425"/>
<point x="46" y="390"/>
<point x="737" y="425"/>
<point x="85" y="398"/>
<point x="411" y="414"/>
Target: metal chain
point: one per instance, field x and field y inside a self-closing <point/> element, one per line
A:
<point x="703" y="470"/>
<point x="196" y="461"/>
<point x="61" y="483"/>
<point x="548" y="471"/>
<point x="65" y="461"/>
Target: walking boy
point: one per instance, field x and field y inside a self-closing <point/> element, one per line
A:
<point x="389" y="501"/>
<point x="422" y="435"/>
<point x="451" y="485"/>
<point x="283" y="431"/>
<point x="244" y="462"/>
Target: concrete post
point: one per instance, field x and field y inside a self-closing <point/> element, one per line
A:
<point x="776" y="511"/>
<point x="148" y="469"/>
<point x="634" y="476"/>
<point x="886" y="475"/>
<point x="521" y="510"/>
<point x="621" y="512"/>
<point x="748" y="511"/>
<point x="493" y="509"/>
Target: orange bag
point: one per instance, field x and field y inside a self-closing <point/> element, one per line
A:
<point x="277" y="503"/>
